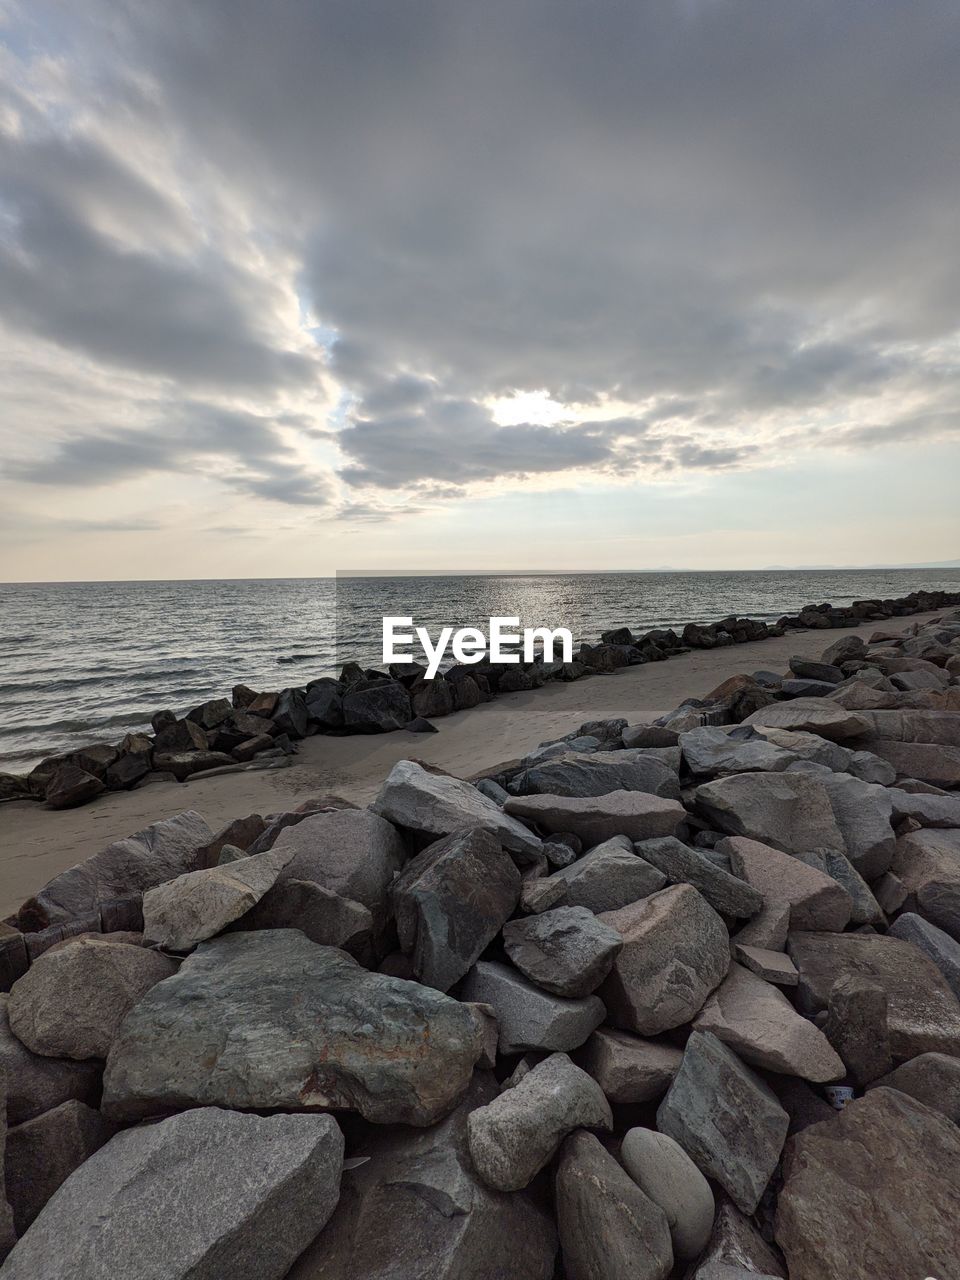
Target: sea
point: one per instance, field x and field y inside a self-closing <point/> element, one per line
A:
<point x="84" y="662"/>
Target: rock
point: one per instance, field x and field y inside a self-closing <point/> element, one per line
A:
<point x="322" y="915"/>
<point x="376" y="707"/>
<point x="930" y="810"/>
<point x="676" y="950"/>
<point x="247" y="1194"/>
<point x="627" y="1068"/>
<point x="200" y="904"/>
<point x="807" y="670"/>
<point x="648" y="735"/>
<point x="846" y="649"/>
<point x="245" y="751"/>
<point x="735" y="1243"/>
<point x="822" y="716"/>
<point x="863" y="812"/>
<point x="928" y="864"/>
<point x="767" y="930"/>
<point x="324" y="699"/>
<point x="725" y="1118"/>
<point x="890" y="893"/>
<point x="634" y="814"/>
<point x="177" y="736"/>
<point x="184" y="764"/>
<point x="291" y="714"/>
<point x="530" y="1018"/>
<point x="608" y="877"/>
<point x="157" y="853"/>
<point x="567" y="951"/>
<point x="454" y="1226"/>
<point x="8" y="1233"/>
<point x="598" y="774"/>
<point x="351" y="852"/>
<point x="790" y="811"/>
<point x="929" y="762"/>
<point x="886" y="1156"/>
<point x="941" y="728"/>
<point x="541" y="893"/>
<point x="211" y="714"/>
<point x="864" y="907"/>
<point x="515" y="1135"/>
<point x="71" y="1001"/>
<point x="608" y="1227"/>
<point x="271" y="1020"/>
<point x="759" y="1023"/>
<point x="682" y="865"/>
<point x="856" y="1026"/>
<point x="43" y="1152"/>
<point x="807" y="689"/>
<point x="922" y="1012"/>
<point x="943" y="950"/>
<point x="711" y="751"/>
<point x="437" y="805"/>
<point x="71" y="786"/>
<point x="451" y="902"/>
<point x="665" y="1173"/>
<point x="815" y="899"/>
<point x="772" y="966"/>
<point x="931" y="1078"/>
<point x="36" y="1084"/>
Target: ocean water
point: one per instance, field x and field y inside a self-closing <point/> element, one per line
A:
<point x="85" y="662"/>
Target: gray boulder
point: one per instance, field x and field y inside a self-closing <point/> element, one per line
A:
<point x="857" y="1026"/>
<point x="822" y="716"/>
<point x="530" y="1018"/>
<point x="8" y="1233"/>
<point x="454" y="1227"/>
<point x="676" y="951"/>
<point x="713" y="750"/>
<point x="324" y="916"/>
<point x="597" y="774"/>
<point x="608" y="1227"/>
<point x="725" y="1118"/>
<point x="126" y="867"/>
<point x="450" y="903"/>
<point x="791" y="811"/>
<point x="943" y="950"/>
<point x="437" y="805"/>
<point x="665" y="1173"/>
<point x="863" y="812"/>
<point x="736" y="1250"/>
<point x="271" y="1020"/>
<point x="931" y="1078"/>
<point x="376" y="706"/>
<point x="634" y="814"/>
<point x="609" y="876"/>
<point x="517" y="1133"/>
<point x="44" y="1151"/>
<point x="36" y="1084"/>
<point x="815" y="899"/>
<point x="567" y="951"/>
<point x="726" y="893"/>
<point x="71" y="1001"/>
<point x="627" y="1068"/>
<point x="247" y="1194"/>
<point x="864" y="907"/>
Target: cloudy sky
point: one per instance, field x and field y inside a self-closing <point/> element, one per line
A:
<point x="296" y="286"/>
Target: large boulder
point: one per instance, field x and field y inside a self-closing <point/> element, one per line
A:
<point x="736" y="1250"/>
<point x="607" y="877"/>
<point x="863" y="812"/>
<point x="529" y="1017"/>
<point x="450" y="903"/>
<point x="597" y="774"/>
<point x="200" y="1196"/>
<point x="665" y="1173"/>
<point x="567" y="950"/>
<point x="71" y="1001"/>
<point x="159" y="852"/>
<point x="940" y="728"/>
<point x="676" y="951"/>
<point x="815" y="899"/>
<point x="608" y="1227"/>
<point x="36" y="1084"/>
<point x="923" y="1014"/>
<point x="635" y="814"/>
<point x="791" y="811"/>
<point x="725" y="1118"/>
<point x="454" y="1227"/>
<point x="928" y="864"/>
<point x="437" y="805"/>
<point x="942" y="949"/>
<point x="864" y="908"/>
<point x="873" y="1192"/>
<point x="713" y="750"/>
<point x="70" y="786"/>
<point x="376" y="706"/>
<point x="628" y="1068"/>
<point x="822" y="716"/>
<point x="761" y="1025"/>
<point x="726" y="893"/>
<point x="43" y="1152"/>
<point x="517" y="1133"/>
<point x="931" y="1078"/>
<point x="271" y="1020"/>
<point x="322" y="915"/>
<point x="200" y="904"/>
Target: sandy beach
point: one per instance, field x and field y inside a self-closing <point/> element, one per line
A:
<point x="36" y="842"/>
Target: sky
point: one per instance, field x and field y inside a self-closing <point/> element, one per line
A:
<point x="399" y="284"/>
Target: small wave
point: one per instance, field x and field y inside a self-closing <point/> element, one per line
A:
<point x="301" y="657"/>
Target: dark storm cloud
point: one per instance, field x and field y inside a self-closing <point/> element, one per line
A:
<point x="725" y="213"/>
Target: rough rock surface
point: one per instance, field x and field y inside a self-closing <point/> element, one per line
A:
<point x="725" y="1118"/>
<point x="453" y="1226"/>
<point x="567" y="951"/>
<point x="43" y="1152"/>
<point x="36" y="1084"/>
<point x="437" y="805"/>
<point x="530" y="1018"/>
<point x="451" y="902"/>
<point x="712" y="751"/>
<point x="634" y="814"/>
<point x="676" y="951"/>
<point x="270" y="1020"/>
<point x="322" y="915"/>
<point x="249" y="1193"/>
<point x="943" y="950"/>
<point x="627" y="1068"/>
<point x="864" y="908"/>
<point x="762" y="1027"/>
<point x="873" y="1192"/>
<point x="517" y="1133"/>
<point x="71" y="1001"/>
<point x="200" y="904"/>
<point x="816" y="900"/>
<point x="822" y="716"/>
<point x="726" y="893"/>
<point x="609" y="876"/>
<point x="931" y="1078"/>
<point x="597" y="774"/>
<point x="665" y="1173"/>
<point x="608" y="1227"/>
<point x="857" y="1026"/>
<point x="790" y="811"/>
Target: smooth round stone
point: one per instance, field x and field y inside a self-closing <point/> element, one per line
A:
<point x="664" y="1172"/>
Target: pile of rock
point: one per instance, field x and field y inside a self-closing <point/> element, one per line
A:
<point x="260" y="730"/>
<point x="577" y="1020"/>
